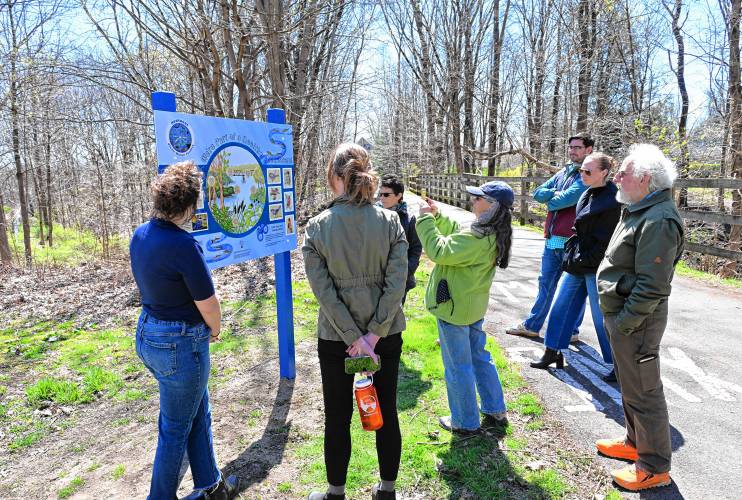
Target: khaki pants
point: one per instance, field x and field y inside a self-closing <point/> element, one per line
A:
<point x="637" y="364"/>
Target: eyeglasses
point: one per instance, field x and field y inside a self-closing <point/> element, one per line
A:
<point x="621" y="174"/>
<point x="384" y="195"/>
<point x="586" y="172"/>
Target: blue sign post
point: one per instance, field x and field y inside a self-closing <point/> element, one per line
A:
<point x="247" y="208"/>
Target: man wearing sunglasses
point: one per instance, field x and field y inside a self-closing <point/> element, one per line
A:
<point x="634" y="286"/>
<point x="391" y="192"/>
<point x="560" y="195"/>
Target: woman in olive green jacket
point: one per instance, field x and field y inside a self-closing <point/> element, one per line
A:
<point x="458" y="295"/>
<point x="355" y="256"/>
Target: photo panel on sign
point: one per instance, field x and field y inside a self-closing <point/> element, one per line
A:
<point x="275" y="211"/>
<point x="288" y="180"/>
<point x="200" y="222"/>
<point x="274" y="175"/>
<point x="274" y="194"/>
<point x="288" y="201"/>
<point x="289" y="225"/>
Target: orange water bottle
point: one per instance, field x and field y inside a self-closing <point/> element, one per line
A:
<point x="368" y="404"/>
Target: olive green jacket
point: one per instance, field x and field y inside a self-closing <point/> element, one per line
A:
<point x="635" y="274"/>
<point x="355" y="258"/>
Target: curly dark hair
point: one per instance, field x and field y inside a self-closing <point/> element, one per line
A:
<point x="176" y="190"/>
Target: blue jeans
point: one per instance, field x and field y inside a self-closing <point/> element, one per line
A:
<point x="177" y="355"/>
<point x="568" y="309"/>
<point x="469" y="369"/>
<point x="548" y="279"/>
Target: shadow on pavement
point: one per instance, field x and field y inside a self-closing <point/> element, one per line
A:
<point x="254" y="464"/>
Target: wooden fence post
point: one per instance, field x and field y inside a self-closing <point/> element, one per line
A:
<point x="523" y="203"/>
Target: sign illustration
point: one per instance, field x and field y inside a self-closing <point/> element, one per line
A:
<point x="245" y="166"/>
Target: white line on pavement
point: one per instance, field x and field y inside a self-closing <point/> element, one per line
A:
<point x="713" y="385"/>
<point x="680" y="391"/>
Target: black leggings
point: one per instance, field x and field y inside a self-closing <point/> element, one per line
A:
<point x="337" y="390"/>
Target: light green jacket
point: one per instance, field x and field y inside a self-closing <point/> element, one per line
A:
<point x="465" y="260"/>
<point x="355" y="258"/>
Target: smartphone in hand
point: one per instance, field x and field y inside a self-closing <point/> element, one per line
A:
<point x="360" y="364"/>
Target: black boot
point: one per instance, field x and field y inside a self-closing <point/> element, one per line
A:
<point x="611" y="377"/>
<point x="226" y="489"/>
<point x="550" y="356"/>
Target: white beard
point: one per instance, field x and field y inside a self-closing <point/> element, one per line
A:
<point x="622" y="198"/>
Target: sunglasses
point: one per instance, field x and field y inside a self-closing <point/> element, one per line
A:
<point x="385" y="195"/>
<point x="586" y="172"/>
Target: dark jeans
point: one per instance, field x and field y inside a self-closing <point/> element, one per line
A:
<point x="337" y="390"/>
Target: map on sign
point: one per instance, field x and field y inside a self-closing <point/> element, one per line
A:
<point x="246" y="208"/>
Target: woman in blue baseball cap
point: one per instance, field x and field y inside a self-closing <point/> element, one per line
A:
<point x="465" y="260"/>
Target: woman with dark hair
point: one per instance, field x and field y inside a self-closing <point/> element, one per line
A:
<point x="391" y="197"/>
<point x="458" y="294"/>
<point x="355" y="256"/>
<point x="180" y="316"/>
<point x="597" y="214"/>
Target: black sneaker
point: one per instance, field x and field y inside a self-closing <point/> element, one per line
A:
<point x="316" y="495"/>
<point x="445" y="422"/>
<point x="496" y="420"/>
<point x="377" y="494"/>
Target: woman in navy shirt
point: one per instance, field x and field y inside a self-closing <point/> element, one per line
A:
<point x="180" y="317"/>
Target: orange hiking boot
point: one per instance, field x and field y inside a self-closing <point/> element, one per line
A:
<point x="617" y="448"/>
<point x="633" y="478"/>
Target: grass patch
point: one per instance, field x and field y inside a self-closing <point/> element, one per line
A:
<point x="433" y="462"/>
<point x="118" y="472"/>
<point x="683" y="269"/>
<point x="56" y="390"/>
<point x="284" y="487"/>
<point x="527" y="404"/>
<point x="71" y="246"/>
<point x="71" y="488"/>
<point x="26" y="440"/>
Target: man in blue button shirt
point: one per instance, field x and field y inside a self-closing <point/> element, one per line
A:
<point x="560" y="195"/>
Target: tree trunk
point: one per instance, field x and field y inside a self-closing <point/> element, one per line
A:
<point x="434" y="119"/>
<point x="587" y="15"/>
<point x="735" y="117"/>
<point x="5" y="255"/>
<point x="684" y="159"/>
<point x="498" y="34"/>
<point x="16" y="142"/>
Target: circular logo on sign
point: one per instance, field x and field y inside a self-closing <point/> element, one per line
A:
<point x="235" y="191"/>
<point x="180" y="137"/>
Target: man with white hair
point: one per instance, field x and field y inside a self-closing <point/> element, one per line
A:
<point x="634" y="285"/>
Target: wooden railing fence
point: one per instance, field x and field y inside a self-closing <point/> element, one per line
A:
<point x="449" y="188"/>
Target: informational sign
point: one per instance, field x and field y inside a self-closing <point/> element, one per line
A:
<point x="246" y="210"/>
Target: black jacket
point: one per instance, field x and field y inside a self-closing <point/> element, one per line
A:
<point x="415" y="248"/>
<point x="598" y="213"/>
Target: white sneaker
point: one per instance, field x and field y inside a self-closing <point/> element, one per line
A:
<point x="521" y="330"/>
